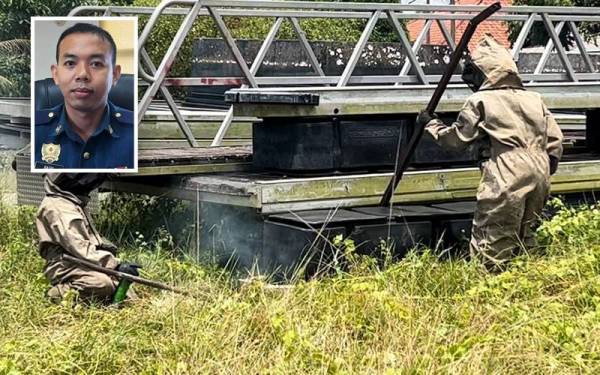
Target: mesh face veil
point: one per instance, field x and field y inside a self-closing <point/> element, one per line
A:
<point x="472" y="75"/>
<point x="79" y="183"/>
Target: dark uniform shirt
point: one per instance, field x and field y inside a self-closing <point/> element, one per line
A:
<point x="58" y="146"/>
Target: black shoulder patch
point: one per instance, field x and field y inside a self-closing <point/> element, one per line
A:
<point x="122" y="115"/>
<point x="46" y="116"/>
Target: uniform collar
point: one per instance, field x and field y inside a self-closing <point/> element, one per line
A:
<point x="105" y="124"/>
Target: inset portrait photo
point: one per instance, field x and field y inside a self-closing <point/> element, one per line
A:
<point x="84" y="94"/>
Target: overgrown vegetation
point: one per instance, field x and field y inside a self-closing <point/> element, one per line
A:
<point x="158" y="221"/>
<point x="15" y="35"/>
<point x="419" y="315"/>
<point x="8" y="178"/>
<point x="538" y="35"/>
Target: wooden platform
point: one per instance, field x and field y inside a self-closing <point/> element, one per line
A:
<point x="368" y="100"/>
<point x="271" y="193"/>
<point x="164" y="151"/>
<point x="194" y="160"/>
<point x="15" y="107"/>
<point x="160" y="130"/>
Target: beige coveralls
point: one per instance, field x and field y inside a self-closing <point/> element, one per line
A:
<point x="523" y="134"/>
<point x="64" y="226"/>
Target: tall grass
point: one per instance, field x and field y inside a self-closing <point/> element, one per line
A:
<point x="419" y="315"/>
<point x="8" y="177"/>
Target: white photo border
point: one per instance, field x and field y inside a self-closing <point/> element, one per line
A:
<point x="36" y="19"/>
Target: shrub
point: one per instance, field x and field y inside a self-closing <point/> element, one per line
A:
<point x="146" y="221"/>
<point x="538" y="34"/>
<point x="15" y="26"/>
<point x="571" y="226"/>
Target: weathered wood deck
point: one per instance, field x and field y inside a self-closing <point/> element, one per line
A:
<point x="274" y="193"/>
<point x="194" y="160"/>
<point x="159" y="131"/>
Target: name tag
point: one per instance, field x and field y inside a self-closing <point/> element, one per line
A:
<point x="42" y="165"/>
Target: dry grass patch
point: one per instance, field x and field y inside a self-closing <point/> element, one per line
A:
<point x="420" y="315"/>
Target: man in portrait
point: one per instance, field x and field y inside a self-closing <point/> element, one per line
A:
<point x="87" y="131"/>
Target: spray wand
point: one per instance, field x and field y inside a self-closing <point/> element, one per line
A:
<point x="125" y="279"/>
<point x="404" y="152"/>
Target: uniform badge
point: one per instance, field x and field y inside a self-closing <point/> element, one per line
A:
<point x="50" y="152"/>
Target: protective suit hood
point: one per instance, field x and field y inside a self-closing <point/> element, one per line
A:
<point x="52" y="189"/>
<point x="78" y="194"/>
<point x="497" y="64"/>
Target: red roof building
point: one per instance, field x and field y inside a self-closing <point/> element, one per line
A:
<point x="497" y="29"/>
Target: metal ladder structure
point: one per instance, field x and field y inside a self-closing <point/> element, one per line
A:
<point x="348" y="93"/>
<point x="249" y="209"/>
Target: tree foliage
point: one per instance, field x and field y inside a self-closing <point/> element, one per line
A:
<point x="590" y="30"/>
<point x="15" y="26"/>
<point x="14" y="67"/>
<point x="343" y="30"/>
<point x="538" y="34"/>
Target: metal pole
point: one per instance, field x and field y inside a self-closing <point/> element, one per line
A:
<point x="123" y="275"/>
<point x="262" y="52"/>
<point x="406" y="44"/>
<point x="453" y="25"/>
<point x="581" y="46"/>
<point x="187" y="132"/>
<point x="165" y="65"/>
<point x="559" y="48"/>
<point x="360" y="45"/>
<point x="539" y="69"/>
<point x="402" y="159"/>
<point x="415" y="48"/>
<point x="522" y="36"/>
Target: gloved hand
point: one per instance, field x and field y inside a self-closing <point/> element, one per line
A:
<point x="553" y="165"/>
<point x="107" y="245"/>
<point x="130" y="268"/>
<point x="424" y="117"/>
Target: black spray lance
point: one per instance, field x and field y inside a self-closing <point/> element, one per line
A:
<point x="402" y="157"/>
<point x="122" y="288"/>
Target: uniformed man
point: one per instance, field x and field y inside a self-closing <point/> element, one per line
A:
<point x="525" y="146"/>
<point x="88" y="131"/>
<point x="64" y="226"/>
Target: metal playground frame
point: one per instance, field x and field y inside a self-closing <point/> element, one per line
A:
<point x="560" y="89"/>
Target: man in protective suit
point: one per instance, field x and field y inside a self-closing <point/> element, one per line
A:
<point x="65" y="226"/>
<point x="525" y="148"/>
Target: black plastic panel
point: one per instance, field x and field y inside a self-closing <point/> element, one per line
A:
<point x="289" y="248"/>
<point x="429" y="153"/>
<point x="592" y="130"/>
<point x="464" y="207"/>
<point x="272" y="98"/>
<point x="327" y="144"/>
<point x="318" y="218"/>
<point x="406" y="212"/>
<point x="400" y="236"/>
<point x="281" y="244"/>
<point x="454" y="231"/>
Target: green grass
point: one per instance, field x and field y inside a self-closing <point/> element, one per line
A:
<point x="8" y="178"/>
<point x="420" y="315"/>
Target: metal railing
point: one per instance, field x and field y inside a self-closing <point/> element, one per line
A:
<point x="553" y="19"/>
